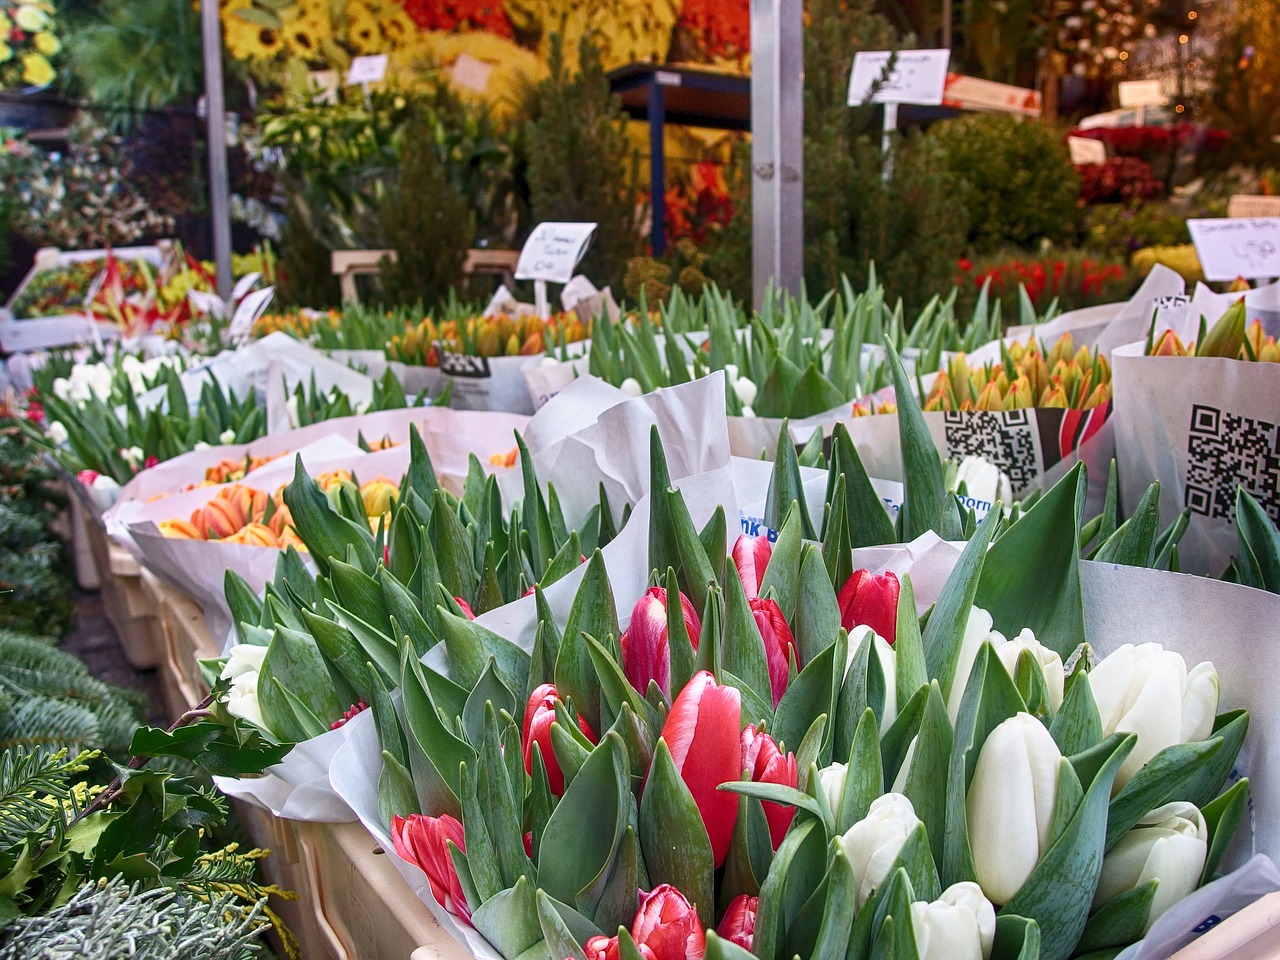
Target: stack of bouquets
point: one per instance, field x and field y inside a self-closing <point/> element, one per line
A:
<point x="1026" y="375"/>
<point x="774" y="753"/>
<point x="1196" y="409"/>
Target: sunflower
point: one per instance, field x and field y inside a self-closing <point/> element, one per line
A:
<point x="37" y="70"/>
<point x="397" y="29"/>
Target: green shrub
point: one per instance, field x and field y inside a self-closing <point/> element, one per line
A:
<point x="1020" y="186"/>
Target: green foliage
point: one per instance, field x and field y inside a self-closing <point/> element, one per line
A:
<point x="908" y="225"/>
<point x="306" y="279"/>
<point x="581" y="166"/>
<point x="1019" y="184"/>
<point x="426" y="220"/>
<point x="115" y="921"/>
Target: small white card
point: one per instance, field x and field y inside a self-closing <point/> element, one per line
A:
<point x="1086" y="150"/>
<point x="369" y="69"/>
<point x="1230" y="248"/>
<point x="918" y="76"/>
<point x="471" y="73"/>
<point x="1140" y="93"/>
<point x="553" y="250"/>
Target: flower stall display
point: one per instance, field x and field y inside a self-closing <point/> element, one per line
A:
<point x="1195" y="409"/>
<point x="29" y="43"/>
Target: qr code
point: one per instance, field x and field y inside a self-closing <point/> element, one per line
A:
<point x="1006" y="439"/>
<point x="1225" y="449"/>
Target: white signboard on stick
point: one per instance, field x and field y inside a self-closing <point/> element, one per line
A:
<point x="1086" y="150"/>
<point x="369" y="69"/>
<point x="1230" y="248"/>
<point x="553" y="250"/>
<point x="918" y="76"/>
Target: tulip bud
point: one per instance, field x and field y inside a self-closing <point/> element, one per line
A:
<point x="778" y="644"/>
<point x="738" y="925"/>
<point x="378" y="496"/>
<point x="1048" y="660"/>
<point x="1010" y="804"/>
<point x="977" y="628"/>
<point x="888" y="660"/>
<point x="983" y="481"/>
<point x="466" y="607"/>
<point x="668" y="925"/>
<point x="646" y="650"/>
<point x="701" y="732"/>
<point x="1169" y="844"/>
<point x="766" y="763"/>
<point x="601" y="947"/>
<point x="874" y="842"/>
<point x="871" y="601"/>
<point x="959" y="925"/>
<point x="539" y="714"/>
<point x="423" y="841"/>
<point x="1147" y="690"/>
<point x="831" y="779"/>
<point x="750" y="557"/>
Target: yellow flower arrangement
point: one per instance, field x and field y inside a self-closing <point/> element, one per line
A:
<point x="27" y="42"/>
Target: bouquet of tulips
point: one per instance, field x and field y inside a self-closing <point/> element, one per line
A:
<point x="1228" y="338"/>
<point x="778" y="755"/>
<point x="1026" y="376"/>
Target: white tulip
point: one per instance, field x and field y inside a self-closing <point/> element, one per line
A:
<point x="1169" y="844"/>
<point x="746" y="390"/>
<point x="1050" y="663"/>
<point x="57" y="433"/>
<point x="631" y="387"/>
<point x="1010" y="804"/>
<point x="832" y="778"/>
<point x="874" y="842"/>
<point x="959" y="925"/>
<point x="226" y="437"/>
<point x="888" y="660"/>
<point x="244" y="658"/>
<point x="291" y="408"/>
<point x="132" y="456"/>
<point x="731" y="373"/>
<point x="62" y="388"/>
<point x="104" y="484"/>
<point x="983" y="481"/>
<point x="200" y="445"/>
<point x="748" y="412"/>
<point x="976" y="629"/>
<point x="1147" y="690"/>
<point x="242" y="700"/>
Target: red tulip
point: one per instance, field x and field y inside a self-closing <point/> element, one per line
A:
<point x="539" y="714"/>
<point x="422" y="841"/>
<point x="750" y="557"/>
<point x="766" y="763"/>
<point x="778" y="644"/>
<point x="606" y="948"/>
<point x="738" y="925"/>
<point x="668" y="925"/>
<point x="701" y="732"/>
<point x="466" y="608"/>
<point x="871" y="601"/>
<point x="646" y="649"/>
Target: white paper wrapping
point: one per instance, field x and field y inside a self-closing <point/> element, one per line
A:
<point x="297" y="788"/>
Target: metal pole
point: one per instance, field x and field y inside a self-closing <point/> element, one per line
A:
<point x="657" y="167"/>
<point x="777" y="145"/>
<point x="216" y="127"/>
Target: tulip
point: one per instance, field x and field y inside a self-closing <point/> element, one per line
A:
<point x="738" y="925"/>
<point x="779" y="644"/>
<point x="668" y="925"/>
<point x="218" y="518"/>
<point x="466" y="607"/>
<point x="701" y="731"/>
<point x="378" y="496"/>
<point x="58" y="434"/>
<point x="1147" y="690"/>
<point x="983" y="481"/>
<point x="646" y="651"/>
<point x="874" y="842"/>
<point x="180" y="530"/>
<point x="606" y="948"/>
<point x="1169" y="844"/>
<point x="767" y="764"/>
<point x="959" y="925"/>
<point x="254" y="535"/>
<point x="977" y="629"/>
<point x="750" y="557"/>
<point x="1010" y="804"/>
<point x="242" y="668"/>
<point x="423" y="841"/>
<point x="871" y="601"/>
<point x="1048" y="660"/>
<point x="831" y="779"/>
<point x="539" y="714"/>
<point x="888" y="660"/>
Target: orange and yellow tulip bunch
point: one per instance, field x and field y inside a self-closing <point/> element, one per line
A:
<point x="501" y="336"/>
<point x="250" y="517"/>
<point x="1229" y="338"/>
<point x="1028" y="377"/>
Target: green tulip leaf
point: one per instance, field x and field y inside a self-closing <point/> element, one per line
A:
<point x="555" y="931"/>
<point x="1222" y="816"/>
<point x="798" y="868"/>
<point x="743" y="652"/>
<point x="295" y="691"/>
<point x="810" y="695"/>
<point x="341" y="652"/>
<point x="787" y="488"/>
<point x="928" y="769"/>
<point x="945" y="630"/>
<point x="489" y="689"/>
<point x="837" y="918"/>
<point x="892" y="934"/>
<point x="679" y="643"/>
<point x="817" y="616"/>
<point x="927" y="504"/>
<point x="509" y="920"/>
<point x="673" y="839"/>
<point x="1076" y="726"/>
<point x="864" y="776"/>
<point x="471" y="648"/>
<point x="1120" y="921"/>
<point x="1206" y="783"/>
<point x="442" y="751"/>
<point x="719" y="948"/>
<point x="1161" y="779"/>
<point x="864" y="511"/>
<point x="593" y="613"/>
<point x="909" y="646"/>
<point x="1017" y="938"/>
<point x="1134" y="542"/>
<point x="782" y="575"/>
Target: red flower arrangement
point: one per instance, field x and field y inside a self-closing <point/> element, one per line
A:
<point x="700" y="207"/>
<point x="461" y="15"/>
<point x="721" y="28"/>
<point x="1146" y="141"/>
<point x="1044" y="279"/>
<point x="1118" y="180"/>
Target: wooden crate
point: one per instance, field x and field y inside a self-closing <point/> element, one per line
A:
<point x="184" y="642"/>
<point x="126" y="605"/>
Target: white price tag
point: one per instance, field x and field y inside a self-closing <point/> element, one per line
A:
<point x="367" y="69"/>
<point x="553" y="250"/>
<point x="1230" y="248"/>
<point x="918" y="76"/>
<point x="1086" y="150"/>
<point x="1140" y="93"/>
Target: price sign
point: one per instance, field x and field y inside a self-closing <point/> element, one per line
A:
<point x="367" y="69"/>
<point x="553" y="250"/>
<point x="1086" y="150"/>
<point x="918" y="76"/>
<point x="1230" y="248"/>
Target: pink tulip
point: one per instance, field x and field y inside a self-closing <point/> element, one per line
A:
<point x="466" y="608"/>
<point x="606" y="948"/>
<point x="738" y="925"/>
<point x="539" y="714"/>
<point x="422" y="841"/>
<point x="701" y="732"/>
<point x="767" y="764"/>
<point x="778" y="644"/>
<point x="668" y="925"/>
<point x="646" y="648"/>
<point x="750" y="557"/>
<point x="871" y="601"/>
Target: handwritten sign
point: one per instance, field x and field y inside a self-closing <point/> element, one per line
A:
<point x="918" y="76"/>
<point x="1086" y="150"/>
<point x="1230" y="248"/>
<point x="553" y="250"/>
<point x="367" y="69"/>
